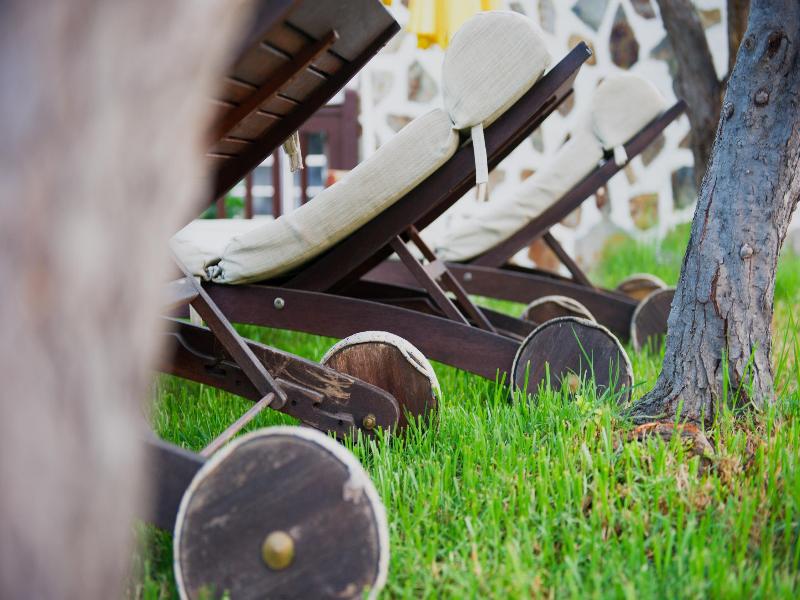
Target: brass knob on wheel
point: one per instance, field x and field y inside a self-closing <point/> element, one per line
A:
<point x="369" y="422"/>
<point x="277" y="551"/>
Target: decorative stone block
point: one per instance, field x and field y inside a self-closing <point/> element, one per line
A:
<point x="663" y="51"/>
<point x="709" y="17"/>
<point x="643" y="8"/>
<point x="547" y="16"/>
<point x="567" y="105"/>
<point x="421" y="86"/>
<point x="397" y="122"/>
<point x="683" y="190"/>
<point x="537" y="139"/>
<point x="622" y="42"/>
<point x="644" y="210"/>
<point x="591" y="12"/>
<point x="381" y="85"/>
<point x="650" y="153"/>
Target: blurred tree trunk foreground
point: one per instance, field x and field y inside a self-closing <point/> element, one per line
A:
<point x="719" y="324"/>
<point x="102" y="106"/>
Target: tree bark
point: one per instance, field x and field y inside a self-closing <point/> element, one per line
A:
<point x="103" y="111"/>
<point x="722" y="311"/>
<point x="696" y="81"/>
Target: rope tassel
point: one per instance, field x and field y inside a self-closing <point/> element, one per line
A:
<point x="292" y="148"/>
<point x="481" y="162"/>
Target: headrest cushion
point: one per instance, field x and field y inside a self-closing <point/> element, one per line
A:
<point x="622" y="105"/>
<point x="493" y="59"/>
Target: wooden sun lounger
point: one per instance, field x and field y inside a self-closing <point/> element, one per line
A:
<point x="296" y="56"/>
<point x="326" y="296"/>
<point x="490" y="274"/>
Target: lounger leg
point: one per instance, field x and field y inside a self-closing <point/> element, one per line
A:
<point x="320" y="397"/>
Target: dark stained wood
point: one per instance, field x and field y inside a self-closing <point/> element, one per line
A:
<point x="638" y="287"/>
<point x="431" y="286"/>
<point x="178" y="293"/>
<point x="569" y="350"/>
<point x="277" y="80"/>
<point x="386" y="367"/>
<point x="649" y="322"/>
<point x="576" y="272"/>
<point x="552" y="307"/>
<point x="244" y="357"/>
<point x="279" y="482"/>
<point x="319" y="397"/>
<point x="300" y="94"/>
<point x="457" y="344"/>
<point x="170" y="470"/>
<point x="518" y="284"/>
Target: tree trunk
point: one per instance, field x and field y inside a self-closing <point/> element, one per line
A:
<point x="103" y="114"/>
<point x="722" y="311"/>
<point x="696" y="81"/>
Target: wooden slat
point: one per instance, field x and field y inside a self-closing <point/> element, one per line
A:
<point x="285" y="74"/>
<point x="230" y="174"/>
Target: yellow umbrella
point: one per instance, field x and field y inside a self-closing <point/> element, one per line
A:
<point x="436" y="21"/>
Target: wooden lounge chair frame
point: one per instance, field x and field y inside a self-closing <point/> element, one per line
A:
<point x="306" y="43"/>
<point x="327" y="297"/>
<point x="490" y="273"/>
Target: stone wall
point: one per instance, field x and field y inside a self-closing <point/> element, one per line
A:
<point x="653" y="193"/>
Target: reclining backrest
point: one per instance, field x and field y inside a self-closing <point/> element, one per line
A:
<point x="620" y="107"/>
<point x="493" y="59"/>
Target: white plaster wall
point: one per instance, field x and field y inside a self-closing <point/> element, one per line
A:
<point x="389" y="70"/>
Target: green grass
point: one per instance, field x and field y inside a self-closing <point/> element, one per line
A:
<point x="546" y="498"/>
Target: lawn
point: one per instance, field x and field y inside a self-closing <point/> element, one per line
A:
<point x="547" y="498"/>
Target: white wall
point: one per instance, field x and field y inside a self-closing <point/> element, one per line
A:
<point x="384" y="93"/>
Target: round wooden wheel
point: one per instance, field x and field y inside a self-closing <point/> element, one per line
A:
<point x="284" y="512"/>
<point x="392" y="364"/>
<point x="649" y="321"/>
<point x="572" y="349"/>
<point x="552" y="307"/>
<point x="640" y="285"/>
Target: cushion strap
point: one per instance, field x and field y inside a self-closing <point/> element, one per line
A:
<point x="620" y="156"/>
<point x="481" y="163"/>
<point x="292" y="148"/>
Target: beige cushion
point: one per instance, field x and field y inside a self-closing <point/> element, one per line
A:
<point x="467" y="232"/>
<point x="493" y="59"/>
<point x="621" y="106"/>
<point x="203" y="240"/>
<point x="289" y="241"/>
<point x="624" y="102"/>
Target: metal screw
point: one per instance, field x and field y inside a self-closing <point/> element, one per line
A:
<point x="279" y="303"/>
<point x="746" y="251"/>
<point x="369" y="422"/>
<point x="277" y="551"/>
<point x="467" y="276"/>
